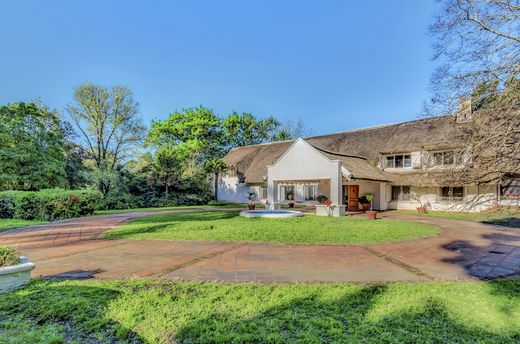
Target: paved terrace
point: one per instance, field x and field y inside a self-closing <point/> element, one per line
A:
<point x="73" y="249"/>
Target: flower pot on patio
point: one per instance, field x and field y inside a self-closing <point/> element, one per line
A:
<point x="251" y="206"/>
<point x="291" y="205"/>
<point x="14" y="276"/>
<point x="422" y="210"/>
<point x="371" y="214"/>
<point x="366" y="206"/>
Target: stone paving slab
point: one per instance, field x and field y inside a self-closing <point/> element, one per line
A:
<point x="269" y="263"/>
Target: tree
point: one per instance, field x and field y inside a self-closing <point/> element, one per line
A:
<point x="189" y="130"/>
<point x="107" y="119"/>
<point x="31" y="147"/>
<point x="292" y="129"/>
<point x="245" y="129"/>
<point x="479" y="44"/>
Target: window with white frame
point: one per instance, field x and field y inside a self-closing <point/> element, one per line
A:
<point x="287" y="192"/>
<point x="452" y="192"/>
<point x="398" y="161"/>
<point x="262" y="193"/>
<point x="400" y="192"/>
<point x="446" y="158"/>
<point x="310" y="192"/>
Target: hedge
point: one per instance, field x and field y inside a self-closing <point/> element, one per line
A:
<point x="49" y="204"/>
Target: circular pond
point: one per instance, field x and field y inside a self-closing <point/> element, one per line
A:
<point x="271" y="214"/>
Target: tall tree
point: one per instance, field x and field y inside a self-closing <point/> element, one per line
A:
<point x="31" y="147"/>
<point x="108" y="121"/>
<point x="245" y="129"/>
<point x="292" y="129"/>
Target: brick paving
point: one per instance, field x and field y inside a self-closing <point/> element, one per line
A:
<point x="73" y="249"/>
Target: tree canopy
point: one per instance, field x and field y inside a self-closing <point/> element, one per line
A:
<point x="31" y="147"/>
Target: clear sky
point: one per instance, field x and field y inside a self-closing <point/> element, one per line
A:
<point x="336" y="64"/>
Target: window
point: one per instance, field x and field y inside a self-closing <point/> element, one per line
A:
<point x="446" y="158"/>
<point x="398" y="161"/>
<point x="389" y="162"/>
<point x="263" y="192"/>
<point x="452" y="192"/>
<point x="287" y="192"/>
<point x="400" y="193"/>
<point x="310" y="192"/>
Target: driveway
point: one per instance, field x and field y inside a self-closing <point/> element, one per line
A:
<point x="72" y="249"/>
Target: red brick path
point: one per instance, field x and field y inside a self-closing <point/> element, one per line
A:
<point x="70" y="249"/>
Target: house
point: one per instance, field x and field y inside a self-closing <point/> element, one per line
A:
<point x="399" y="164"/>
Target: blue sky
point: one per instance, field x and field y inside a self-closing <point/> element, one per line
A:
<point x="336" y="64"/>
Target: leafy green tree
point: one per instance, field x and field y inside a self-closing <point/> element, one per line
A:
<point x="245" y="129"/>
<point x="190" y="130"/>
<point x="31" y="147"/>
<point x="108" y="121"/>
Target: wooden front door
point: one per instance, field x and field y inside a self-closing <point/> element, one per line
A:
<point x="353" y="197"/>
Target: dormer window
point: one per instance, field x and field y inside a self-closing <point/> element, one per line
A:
<point x="398" y="161"/>
<point x="446" y="158"/>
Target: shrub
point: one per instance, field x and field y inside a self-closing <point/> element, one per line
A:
<point x="217" y="203"/>
<point x="49" y="204"/>
<point x="321" y="199"/>
<point x="9" y="256"/>
<point x="120" y="200"/>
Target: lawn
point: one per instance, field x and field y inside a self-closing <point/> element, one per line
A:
<point x="229" y="226"/>
<point x="6" y="224"/>
<point x="123" y="211"/>
<point x="503" y="216"/>
<point x="162" y="311"/>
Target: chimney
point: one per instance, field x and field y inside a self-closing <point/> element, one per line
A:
<point x="464" y="113"/>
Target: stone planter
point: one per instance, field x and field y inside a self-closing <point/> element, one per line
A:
<point x="15" y="276"/>
<point x="330" y="210"/>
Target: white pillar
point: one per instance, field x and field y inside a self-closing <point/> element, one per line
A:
<point x="335" y="187"/>
<point x="383" y="202"/>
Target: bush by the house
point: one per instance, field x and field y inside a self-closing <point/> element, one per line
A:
<point x="9" y="256"/>
<point x="48" y="205"/>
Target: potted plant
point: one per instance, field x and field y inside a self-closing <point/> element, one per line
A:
<point x="251" y="196"/>
<point x="418" y="197"/>
<point x="365" y="201"/>
<point x="15" y="271"/>
<point x="370" y="214"/>
<point x="290" y="197"/>
<point x="321" y="199"/>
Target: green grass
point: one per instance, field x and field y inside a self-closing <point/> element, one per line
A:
<point x="6" y="224"/>
<point x="229" y="226"/>
<point x="162" y="312"/>
<point x="503" y="216"/>
<point x="123" y="211"/>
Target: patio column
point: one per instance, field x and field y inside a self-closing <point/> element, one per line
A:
<point x="335" y="187"/>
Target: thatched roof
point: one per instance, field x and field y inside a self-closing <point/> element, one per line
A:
<point x="359" y="149"/>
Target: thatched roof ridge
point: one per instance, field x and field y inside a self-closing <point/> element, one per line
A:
<point x="359" y="149"/>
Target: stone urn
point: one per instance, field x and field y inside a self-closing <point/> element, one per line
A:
<point x="15" y="276"/>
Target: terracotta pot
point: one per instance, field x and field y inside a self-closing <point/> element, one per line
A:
<point x="251" y="206"/>
<point x="366" y="206"/>
<point x="421" y="210"/>
<point x="371" y="214"/>
<point x="291" y="205"/>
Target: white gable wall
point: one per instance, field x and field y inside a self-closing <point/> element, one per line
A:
<point x="303" y="162"/>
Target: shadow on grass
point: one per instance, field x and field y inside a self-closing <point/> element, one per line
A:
<point x="504" y="221"/>
<point x="157" y="223"/>
<point x="43" y="312"/>
<point x="347" y="319"/>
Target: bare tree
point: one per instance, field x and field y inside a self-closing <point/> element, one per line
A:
<point x="478" y="44"/>
<point x="107" y="119"/>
